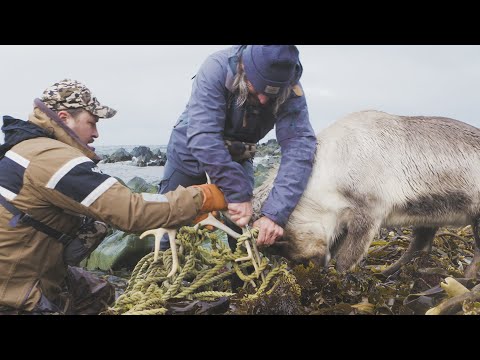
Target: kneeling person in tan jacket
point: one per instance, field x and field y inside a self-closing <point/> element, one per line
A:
<point x="48" y="171"/>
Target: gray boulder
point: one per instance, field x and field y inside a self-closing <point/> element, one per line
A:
<point x="139" y="185"/>
<point x="119" y="155"/>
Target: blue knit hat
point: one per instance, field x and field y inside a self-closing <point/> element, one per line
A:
<point x="270" y="68"/>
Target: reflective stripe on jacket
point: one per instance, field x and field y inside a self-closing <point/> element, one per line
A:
<point x="55" y="181"/>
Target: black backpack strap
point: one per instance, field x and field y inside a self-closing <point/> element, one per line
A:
<point x="20" y="217"/>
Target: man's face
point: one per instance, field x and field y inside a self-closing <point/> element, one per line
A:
<point x="83" y="124"/>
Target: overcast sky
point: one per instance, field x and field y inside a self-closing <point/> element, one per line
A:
<point x="150" y="85"/>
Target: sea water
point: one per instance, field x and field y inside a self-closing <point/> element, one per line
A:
<point x="124" y="170"/>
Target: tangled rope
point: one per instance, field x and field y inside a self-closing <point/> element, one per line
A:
<point x="203" y="274"/>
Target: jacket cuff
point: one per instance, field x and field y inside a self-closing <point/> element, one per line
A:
<point x="238" y="197"/>
<point x="276" y="218"/>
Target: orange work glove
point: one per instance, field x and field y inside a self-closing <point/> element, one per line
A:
<point x="201" y="217"/>
<point x="213" y="198"/>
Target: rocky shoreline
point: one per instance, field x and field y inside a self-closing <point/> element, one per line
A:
<point x="415" y="289"/>
<point x="119" y="252"/>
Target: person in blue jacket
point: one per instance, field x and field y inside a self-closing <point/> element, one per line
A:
<point x="238" y="95"/>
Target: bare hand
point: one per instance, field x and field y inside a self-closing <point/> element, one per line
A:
<point x="240" y="213"/>
<point x="269" y="231"/>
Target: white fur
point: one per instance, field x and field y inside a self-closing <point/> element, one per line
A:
<point x="386" y="161"/>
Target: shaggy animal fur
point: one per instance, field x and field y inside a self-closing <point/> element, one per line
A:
<point x="374" y="170"/>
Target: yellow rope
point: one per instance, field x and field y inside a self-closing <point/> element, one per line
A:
<point x="201" y="274"/>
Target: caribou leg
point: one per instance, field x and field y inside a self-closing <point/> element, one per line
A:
<point x="422" y="242"/>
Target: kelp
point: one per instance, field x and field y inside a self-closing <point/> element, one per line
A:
<point x="414" y="289"/>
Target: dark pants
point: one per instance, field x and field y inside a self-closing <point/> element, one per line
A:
<point x="172" y="177"/>
<point x="84" y="294"/>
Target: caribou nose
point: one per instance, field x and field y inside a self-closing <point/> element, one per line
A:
<point x="279" y="248"/>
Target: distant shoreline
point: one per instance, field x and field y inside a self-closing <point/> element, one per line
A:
<point x="110" y="149"/>
<point x="126" y="172"/>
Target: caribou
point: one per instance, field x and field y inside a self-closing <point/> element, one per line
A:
<point x="374" y="170"/>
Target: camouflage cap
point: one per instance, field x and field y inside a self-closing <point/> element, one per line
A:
<point x="72" y="94"/>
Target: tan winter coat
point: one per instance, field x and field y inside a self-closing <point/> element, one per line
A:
<point x="59" y="182"/>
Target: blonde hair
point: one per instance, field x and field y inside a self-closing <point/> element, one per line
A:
<point x="240" y="88"/>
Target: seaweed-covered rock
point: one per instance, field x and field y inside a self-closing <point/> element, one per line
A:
<point x="139" y="185"/>
<point x="119" y="250"/>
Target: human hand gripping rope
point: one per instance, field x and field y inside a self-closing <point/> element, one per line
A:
<point x="189" y="270"/>
<point x="210" y="220"/>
